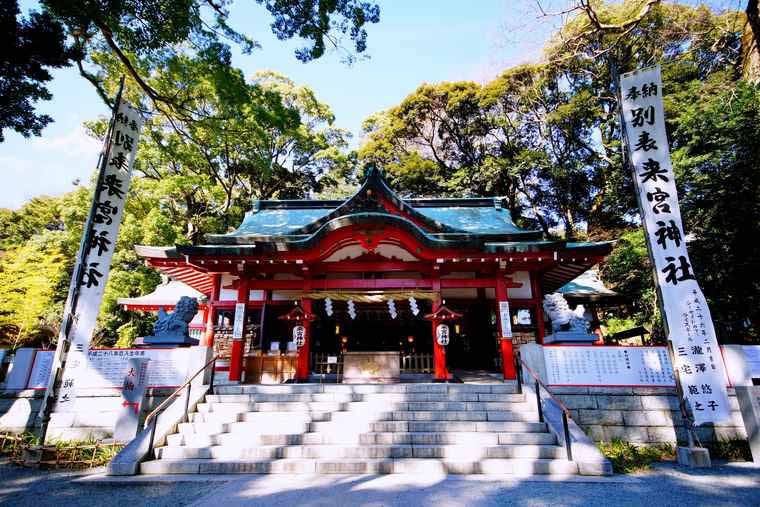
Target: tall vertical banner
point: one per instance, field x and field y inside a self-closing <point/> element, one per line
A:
<point x="690" y="326"/>
<point x="101" y="232"/>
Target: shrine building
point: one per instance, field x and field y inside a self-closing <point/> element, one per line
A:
<point x="374" y="273"/>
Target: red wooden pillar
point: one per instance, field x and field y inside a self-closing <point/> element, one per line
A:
<point x="216" y="286"/>
<point x="505" y="342"/>
<point x="304" y="352"/>
<point x="236" y="355"/>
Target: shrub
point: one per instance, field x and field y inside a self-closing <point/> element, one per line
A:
<point x="628" y="458"/>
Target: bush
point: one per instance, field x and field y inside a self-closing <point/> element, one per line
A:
<point x="627" y="458"/>
<point x="26" y="449"/>
<point x="730" y="449"/>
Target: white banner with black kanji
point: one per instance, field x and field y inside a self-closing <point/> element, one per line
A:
<point x="110" y="196"/>
<point x="690" y="326"/>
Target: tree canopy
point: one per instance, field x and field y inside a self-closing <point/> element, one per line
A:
<point x="547" y="137"/>
<point x="31" y="47"/>
<point x="138" y="38"/>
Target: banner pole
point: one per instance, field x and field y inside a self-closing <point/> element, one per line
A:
<point x="62" y="347"/>
<point x="682" y="403"/>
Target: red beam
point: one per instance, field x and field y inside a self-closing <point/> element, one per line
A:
<point x="379" y="283"/>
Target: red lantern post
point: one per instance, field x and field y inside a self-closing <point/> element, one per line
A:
<point x="441" y="317"/>
<point x="299" y="316"/>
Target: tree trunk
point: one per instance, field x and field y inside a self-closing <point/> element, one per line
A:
<point x="751" y="43"/>
<point x="569" y="225"/>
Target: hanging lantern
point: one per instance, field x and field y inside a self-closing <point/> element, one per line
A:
<point x="299" y="336"/>
<point x="442" y="334"/>
<point x="328" y="307"/>
<point x="351" y="309"/>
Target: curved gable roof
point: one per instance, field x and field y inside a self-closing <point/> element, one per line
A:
<point x="442" y="219"/>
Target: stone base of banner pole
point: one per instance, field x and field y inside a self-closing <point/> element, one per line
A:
<point x="693" y="457"/>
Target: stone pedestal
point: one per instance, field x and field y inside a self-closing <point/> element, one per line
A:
<point x="694" y="457"/>
<point x="749" y="403"/>
<point x="371" y="367"/>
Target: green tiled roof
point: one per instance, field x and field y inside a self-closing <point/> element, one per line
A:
<point x="473" y="220"/>
<point x="278" y="221"/>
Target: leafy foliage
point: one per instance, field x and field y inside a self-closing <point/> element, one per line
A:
<point x="31" y="47"/>
<point x="136" y="38"/>
<point x="35" y="271"/>
<point x="629" y="458"/>
<point x="280" y="143"/>
<point x="715" y="130"/>
<point x="547" y="137"/>
<point x="628" y="271"/>
<point x="142" y="36"/>
<point x="30" y="278"/>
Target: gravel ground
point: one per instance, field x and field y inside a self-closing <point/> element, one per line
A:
<point x="41" y="488"/>
<point x="665" y="485"/>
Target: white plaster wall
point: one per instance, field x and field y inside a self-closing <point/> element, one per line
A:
<point x="227" y="294"/>
<point x="523" y="292"/>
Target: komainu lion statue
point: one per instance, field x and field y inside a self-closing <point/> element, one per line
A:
<point x="172" y="328"/>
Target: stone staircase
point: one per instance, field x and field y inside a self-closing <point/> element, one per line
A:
<point x="339" y="428"/>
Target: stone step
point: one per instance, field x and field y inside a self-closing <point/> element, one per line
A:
<point x="268" y="418"/>
<point x="514" y="466"/>
<point x="496" y="388"/>
<point x="251" y="428"/>
<point x="470" y="452"/>
<point x="286" y="426"/>
<point x="421" y="426"/>
<point x="243" y="440"/>
<point x="327" y="406"/>
<point x="368" y="397"/>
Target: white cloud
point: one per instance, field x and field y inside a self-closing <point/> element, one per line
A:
<point x="47" y="166"/>
<point x="75" y="143"/>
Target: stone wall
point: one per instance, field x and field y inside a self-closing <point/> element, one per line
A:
<point x="19" y="409"/>
<point x="639" y="414"/>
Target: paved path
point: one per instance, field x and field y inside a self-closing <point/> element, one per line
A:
<point x="666" y="485"/>
<point x="39" y="488"/>
<point x="670" y="485"/>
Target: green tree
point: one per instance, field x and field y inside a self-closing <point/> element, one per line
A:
<point x="264" y="138"/>
<point x="140" y="36"/>
<point x="605" y="38"/>
<point x="31" y="47"/>
<point x="30" y="277"/>
<point x="39" y="214"/>
<point x="628" y="271"/>
<point x="715" y="126"/>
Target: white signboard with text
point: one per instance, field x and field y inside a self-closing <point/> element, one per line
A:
<point x="108" y="208"/>
<point x="237" y="327"/>
<point x="578" y="365"/>
<point x="690" y="325"/>
<point x="506" y="319"/>
<point x="43" y="363"/>
<point x="105" y="367"/>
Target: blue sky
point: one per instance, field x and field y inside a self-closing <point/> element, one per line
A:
<point x="415" y="42"/>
